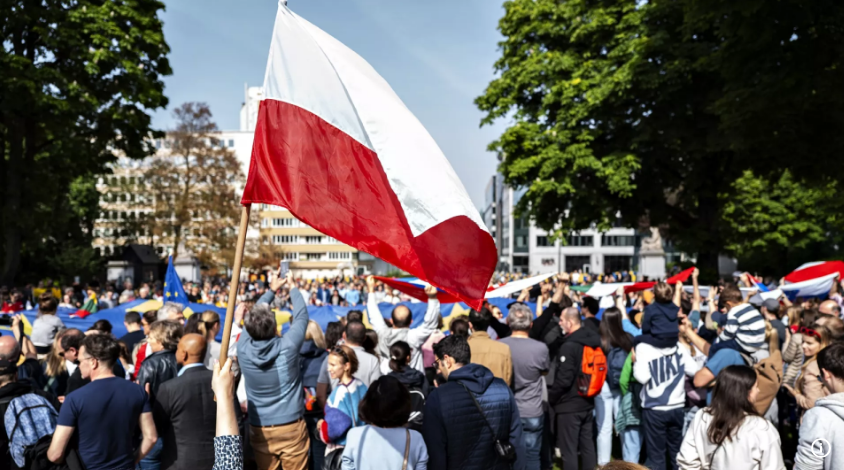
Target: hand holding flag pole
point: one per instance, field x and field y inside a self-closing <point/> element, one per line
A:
<point x="235" y="282"/>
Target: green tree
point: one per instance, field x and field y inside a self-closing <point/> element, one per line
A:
<point x="654" y="109"/>
<point x="77" y="81"/>
<point x="781" y="223"/>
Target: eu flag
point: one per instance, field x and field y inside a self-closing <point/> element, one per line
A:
<point x="173" y="290"/>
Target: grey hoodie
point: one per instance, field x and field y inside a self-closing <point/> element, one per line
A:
<point x="271" y="370"/>
<point x="824" y="421"/>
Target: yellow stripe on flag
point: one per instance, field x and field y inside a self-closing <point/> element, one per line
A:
<point x="146" y="306"/>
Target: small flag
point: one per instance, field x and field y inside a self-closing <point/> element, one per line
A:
<point x="760" y="286"/>
<point x="173" y="290"/>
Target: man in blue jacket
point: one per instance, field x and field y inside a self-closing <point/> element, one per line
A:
<point x="454" y="430"/>
<point x="270" y="365"/>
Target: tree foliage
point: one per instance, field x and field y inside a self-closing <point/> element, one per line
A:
<point x="77" y="81"/>
<point x="781" y="223"/>
<point x="192" y="188"/>
<point x="654" y="109"/>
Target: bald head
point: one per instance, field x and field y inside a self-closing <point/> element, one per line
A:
<point x="9" y="348"/>
<point x="572" y="314"/>
<point x="829" y="307"/>
<point x="191" y="349"/>
<point x="570" y="320"/>
<point x="402" y="317"/>
<point x="9" y="351"/>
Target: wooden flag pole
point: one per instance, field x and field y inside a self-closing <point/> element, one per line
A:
<point x="235" y="283"/>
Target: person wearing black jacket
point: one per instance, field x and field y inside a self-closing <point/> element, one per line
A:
<point x="573" y="411"/>
<point x="185" y="413"/>
<point x="157" y="368"/>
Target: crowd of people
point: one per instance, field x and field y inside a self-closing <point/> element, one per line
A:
<point x="667" y="378"/>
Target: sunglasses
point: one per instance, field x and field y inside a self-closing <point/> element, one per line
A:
<point x="808" y="331"/>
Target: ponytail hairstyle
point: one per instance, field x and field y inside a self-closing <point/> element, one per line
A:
<point x="205" y="327"/>
<point x="399" y="356"/>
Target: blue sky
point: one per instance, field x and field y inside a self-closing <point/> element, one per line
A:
<point x="438" y="56"/>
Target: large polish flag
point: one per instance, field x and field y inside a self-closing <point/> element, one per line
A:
<point x="336" y="146"/>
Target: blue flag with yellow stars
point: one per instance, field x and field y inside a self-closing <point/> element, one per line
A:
<point x="173" y="290"/>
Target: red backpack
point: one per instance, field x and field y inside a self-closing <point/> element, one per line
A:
<point x="593" y="372"/>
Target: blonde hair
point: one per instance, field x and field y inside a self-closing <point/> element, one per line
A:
<point x="794" y="314"/>
<point x="206" y="322"/>
<point x="56" y="364"/>
<point x="167" y="333"/>
<point x="314" y="333"/>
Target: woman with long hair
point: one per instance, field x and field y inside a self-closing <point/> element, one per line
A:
<point x="55" y="368"/>
<point x="792" y="353"/>
<point x="415" y="381"/>
<point x="808" y="388"/>
<point x="311" y="356"/>
<point x="730" y="433"/>
<point x="616" y="344"/>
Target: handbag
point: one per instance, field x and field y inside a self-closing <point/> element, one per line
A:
<point x="505" y="451"/>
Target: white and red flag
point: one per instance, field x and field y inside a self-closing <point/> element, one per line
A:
<point x="336" y="146"/>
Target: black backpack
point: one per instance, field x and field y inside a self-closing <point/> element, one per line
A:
<point x="417" y="408"/>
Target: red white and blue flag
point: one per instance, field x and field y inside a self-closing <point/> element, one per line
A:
<point x="336" y="146"/>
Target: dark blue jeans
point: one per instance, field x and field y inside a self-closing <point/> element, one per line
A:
<point x="532" y="432"/>
<point x="152" y="461"/>
<point x="663" y="432"/>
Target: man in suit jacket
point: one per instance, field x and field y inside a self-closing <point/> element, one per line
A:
<point x="185" y="412"/>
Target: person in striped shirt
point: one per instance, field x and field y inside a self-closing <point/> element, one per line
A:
<point x="744" y="326"/>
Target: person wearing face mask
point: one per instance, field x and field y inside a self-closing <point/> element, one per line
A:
<point x="729" y="433"/>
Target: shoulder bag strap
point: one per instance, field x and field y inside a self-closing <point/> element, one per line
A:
<point x="406" y="450"/>
<point x="478" y="406"/>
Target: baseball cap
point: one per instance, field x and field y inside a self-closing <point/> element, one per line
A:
<point x="719" y="318"/>
<point x="772" y="305"/>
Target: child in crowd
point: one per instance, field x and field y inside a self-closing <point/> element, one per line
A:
<point x="660" y="327"/>
<point x="743" y="325"/>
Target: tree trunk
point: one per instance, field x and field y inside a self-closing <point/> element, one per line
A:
<point x="177" y="238"/>
<point x="11" y="210"/>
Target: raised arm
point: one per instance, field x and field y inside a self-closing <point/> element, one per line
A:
<point x="299" y="322"/>
<point x="678" y="293"/>
<point x="372" y="309"/>
<point x="695" y="291"/>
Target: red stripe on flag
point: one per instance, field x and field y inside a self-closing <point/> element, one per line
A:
<point x="816" y="271"/>
<point x="335" y="184"/>
<point x="682" y="276"/>
<point x="417" y="292"/>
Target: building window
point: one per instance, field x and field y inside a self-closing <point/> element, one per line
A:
<point x="280" y="239"/>
<point x="542" y="240"/>
<point x="330" y="241"/>
<point x="575" y="263"/>
<point x="338" y="255"/>
<point x="231" y="143"/>
<point x="285" y="222"/>
<point x="265" y="223"/>
<point x="290" y="256"/>
<point x="618" y="240"/>
<point x="521" y="241"/>
<point x="548" y="262"/>
<point x="313" y="256"/>
<point x="617" y="263"/>
<point x="313" y="240"/>
<point x="579" y="240"/>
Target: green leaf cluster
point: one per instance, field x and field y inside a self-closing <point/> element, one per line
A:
<point x="78" y="79"/>
<point x="654" y="109"/>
